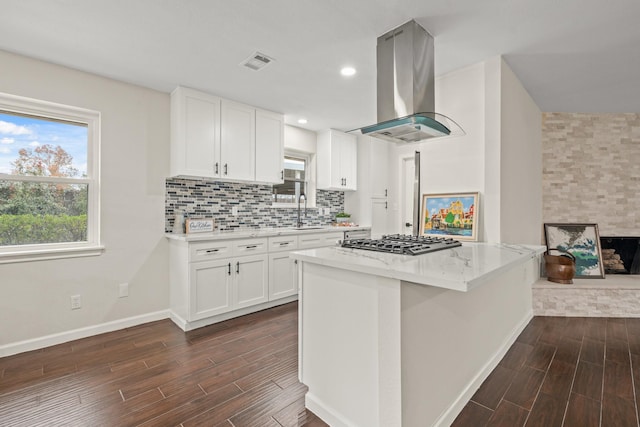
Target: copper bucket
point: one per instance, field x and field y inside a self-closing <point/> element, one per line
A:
<point x="560" y="268"/>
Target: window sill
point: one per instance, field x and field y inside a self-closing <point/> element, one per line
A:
<point x="50" y="253"/>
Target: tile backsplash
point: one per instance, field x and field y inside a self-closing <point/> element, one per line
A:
<point x="216" y="199"/>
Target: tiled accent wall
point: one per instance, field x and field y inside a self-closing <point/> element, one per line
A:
<point x="617" y="296"/>
<point x="591" y="173"/>
<point x="591" y="170"/>
<point x="215" y="199"/>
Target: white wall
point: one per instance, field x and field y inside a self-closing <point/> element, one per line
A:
<point x="452" y="164"/>
<point x="500" y="155"/>
<point x="34" y="299"/>
<point x="520" y="163"/>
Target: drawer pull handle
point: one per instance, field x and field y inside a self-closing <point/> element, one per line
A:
<point x="251" y="246"/>
<point x="212" y="250"/>
<point x="229" y="269"/>
<point x="284" y="243"/>
<point x="238" y="267"/>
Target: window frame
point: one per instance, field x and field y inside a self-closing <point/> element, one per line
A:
<point x="307" y="178"/>
<point x="49" y="110"/>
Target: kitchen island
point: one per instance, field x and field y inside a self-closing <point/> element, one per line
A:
<point x="394" y="340"/>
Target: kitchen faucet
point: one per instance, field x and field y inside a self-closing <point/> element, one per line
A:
<point x="302" y="196"/>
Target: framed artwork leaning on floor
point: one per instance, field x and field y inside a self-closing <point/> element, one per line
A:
<point x="580" y="240"/>
<point x="452" y="215"/>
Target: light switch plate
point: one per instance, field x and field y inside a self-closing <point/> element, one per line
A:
<point x="234" y="211"/>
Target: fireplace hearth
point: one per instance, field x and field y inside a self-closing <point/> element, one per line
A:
<point x="621" y="255"/>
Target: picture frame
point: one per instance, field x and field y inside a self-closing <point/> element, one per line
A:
<point x="581" y="240"/>
<point x="453" y="215"/>
<point x="199" y="225"/>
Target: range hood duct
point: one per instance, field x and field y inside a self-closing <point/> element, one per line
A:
<point x="405" y="76"/>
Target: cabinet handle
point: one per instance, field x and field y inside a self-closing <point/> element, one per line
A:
<point x="225" y="169"/>
<point x="216" y="168"/>
<point x="212" y="250"/>
<point x="229" y="269"/>
<point x="251" y="246"/>
<point x="295" y="261"/>
<point x="386" y="205"/>
<point x="284" y="243"/>
<point x="282" y="174"/>
<point x="385" y="192"/>
<point x="238" y="267"/>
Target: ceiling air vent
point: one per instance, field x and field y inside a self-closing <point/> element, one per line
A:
<point x="257" y="61"/>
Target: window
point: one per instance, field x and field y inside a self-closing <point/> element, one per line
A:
<point x="49" y="169"/>
<point x="295" y="181"/>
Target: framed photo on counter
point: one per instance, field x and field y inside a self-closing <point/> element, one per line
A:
<point x="580" y="240"/>
<point x="452" y="215"/>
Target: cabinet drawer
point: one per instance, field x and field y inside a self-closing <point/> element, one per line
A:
<point x="250" y="246"/>
<point x="206" y="251"/>
<point x="306" y="241"/>
<point x="283" y="243"/>
<point x="331" y="239"/>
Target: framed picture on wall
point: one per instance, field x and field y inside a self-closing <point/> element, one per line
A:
<point x="450" y="215"/>
<point x="580" y="240"/>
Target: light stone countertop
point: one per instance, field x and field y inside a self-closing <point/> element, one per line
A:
<point x="461" y="268"/>
<point x="244" y="233"/>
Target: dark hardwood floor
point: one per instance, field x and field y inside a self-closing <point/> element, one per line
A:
<point x="242" y="372"/>
<point x="572" y="372"/>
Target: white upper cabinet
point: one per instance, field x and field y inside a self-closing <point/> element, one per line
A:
<point x="217" y="138"/>
<point x="269" y="147"/>
<point x="337" y="161"/>
<point x="238" y="141"/>
<point x="195" y="133"/>
<point x="378" y="167"/>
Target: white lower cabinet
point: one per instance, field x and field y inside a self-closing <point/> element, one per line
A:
<point x="283" y="276"/>
<point x="216" y="280"/>
<point x="250" y="285"/>
<point x="211" y="291"/>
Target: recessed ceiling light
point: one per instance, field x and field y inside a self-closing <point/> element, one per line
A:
<point x="302" y="121"/>
<point x="348" y="71"/>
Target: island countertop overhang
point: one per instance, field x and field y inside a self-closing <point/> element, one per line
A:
<point x="460" y="269"/>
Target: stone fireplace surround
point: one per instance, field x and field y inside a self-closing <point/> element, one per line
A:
<point x="591" y="165"/>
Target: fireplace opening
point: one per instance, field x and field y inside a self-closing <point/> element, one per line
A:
<point x="620" y="255"/>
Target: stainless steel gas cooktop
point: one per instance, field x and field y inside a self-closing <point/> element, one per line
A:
<point x="402" y="244"/>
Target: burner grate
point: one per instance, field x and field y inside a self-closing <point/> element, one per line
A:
<point x="403" y="244"/>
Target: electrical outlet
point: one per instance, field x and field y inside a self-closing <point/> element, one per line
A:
<point x="123" y="290"/>
<point x="76" y="303"/>
<point x="327" y="211"/>
<point x="234" y="211"/>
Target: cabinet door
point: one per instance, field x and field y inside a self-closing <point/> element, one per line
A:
<point x="237" y="141"/>
<point x="379" y="218"/>
<point x="337" y="178"/>
<point x="210" y="288"/>
<point x="269" y="147"/>
<point x="282" y="276"/>
<point x="379" y="167"/>
<point x="348" y="161"/>
<point x="195" y="133"/>
<point x="251" y="280"/>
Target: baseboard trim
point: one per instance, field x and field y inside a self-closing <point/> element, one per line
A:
<point x="449" y="416"/>
<point x="186" y="325"/>
<point x="315" y="405"/>
<point x="62" y="337"/>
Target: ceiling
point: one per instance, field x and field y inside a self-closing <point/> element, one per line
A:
<point x="571" y="55"/>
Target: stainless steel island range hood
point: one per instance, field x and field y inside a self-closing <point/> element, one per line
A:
<point x="405" y="75"/>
